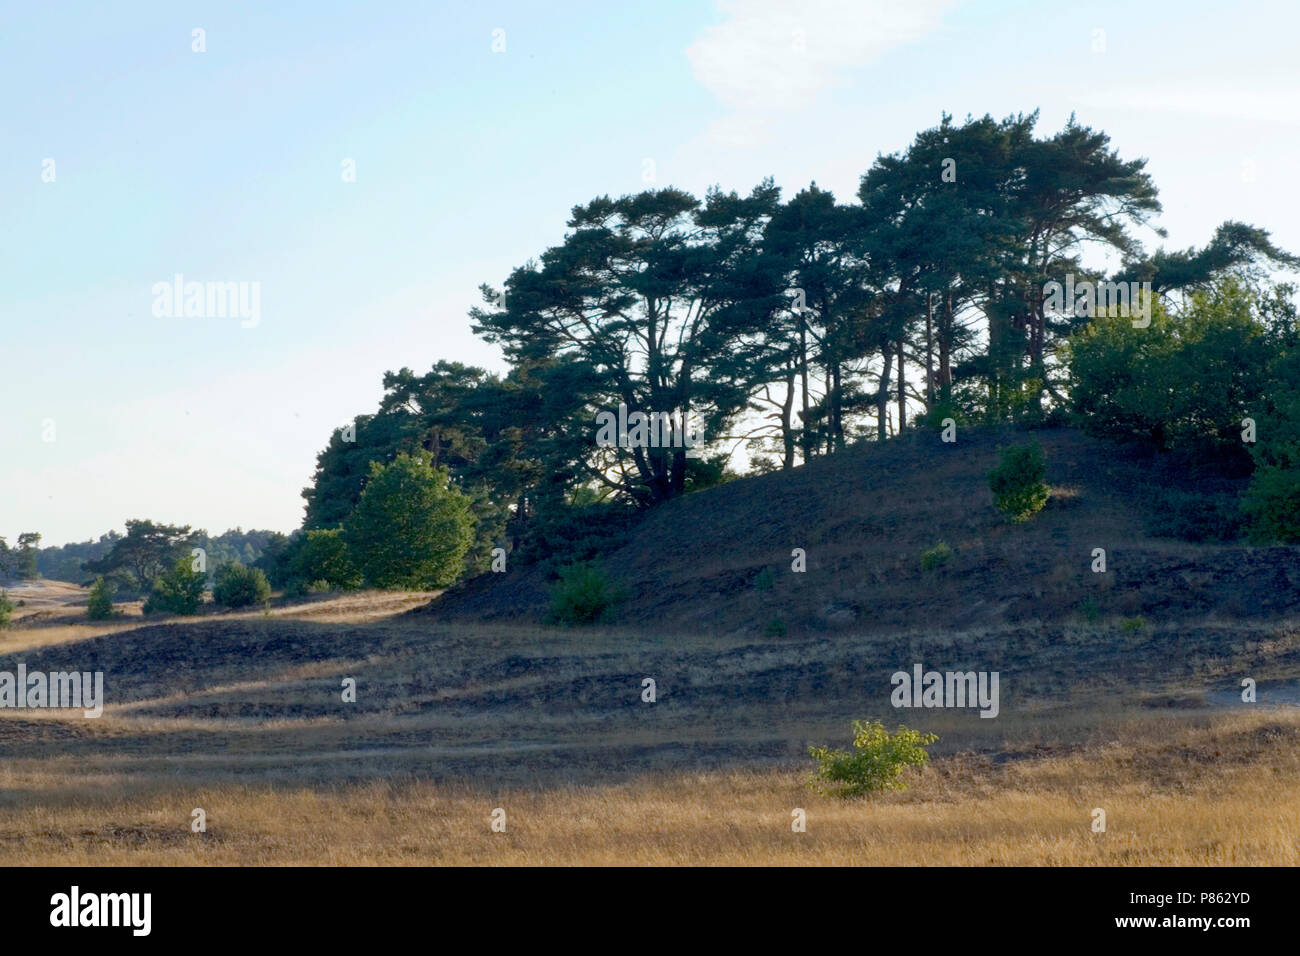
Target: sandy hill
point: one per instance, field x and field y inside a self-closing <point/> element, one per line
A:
<point x="865" y="517"/>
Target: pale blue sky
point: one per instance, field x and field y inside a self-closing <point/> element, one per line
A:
<point x="225" y="165"/>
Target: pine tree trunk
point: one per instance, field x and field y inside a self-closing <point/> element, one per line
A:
<point x="902" y="390"/>
<point x="882" y="397"/>
<point x="803" y="373"/>
<point x="945" y="348"/>
<point x="787" y="430"/>
<point x="929" y="351"/>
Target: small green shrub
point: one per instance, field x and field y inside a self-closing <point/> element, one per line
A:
<point x="1019" y="482"/>
<point x="179" y="591"/>
<point x="6" y="609"/>
<point x="238" y="586"/>
<point x="775" y="627"/>
<point x="764" y="580"/>
<point x="583" y="595"/>
<point x="936" y="556"/>
<point x="99" y="607"/>
<point x="1131" y="625"/>
<point x="877" y="763"/>
<point x="1272" y="505"/>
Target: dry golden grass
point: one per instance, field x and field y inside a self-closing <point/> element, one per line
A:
<point x="244" y="720"/>
<point x="55" y="613"/>
<point x="1228" y="793"/>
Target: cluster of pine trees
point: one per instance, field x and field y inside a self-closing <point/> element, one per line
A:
<point x="792" y="328"/>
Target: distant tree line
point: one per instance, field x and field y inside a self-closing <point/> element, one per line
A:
<point x="173" y="566"/>
<point x="80" y="562"/>
<point x="170" y="566"/>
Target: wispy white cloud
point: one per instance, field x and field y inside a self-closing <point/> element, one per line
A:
<point x="773" y="57"/>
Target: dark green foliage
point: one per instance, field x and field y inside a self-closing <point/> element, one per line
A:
<point x="25" y="563"/>
<point x="565" y="534"/>
<point x="68" y="562"/>
<point x="21" y="562"/>
<point x="679" y="277"/>
<point x="235" y="545"/>
<point x="296" y="588"/>
<point x="704" y="473"/>
<point x="179" y="591"/>
<point x="276" y="560"/>
<point x="240" y="586"/>
<point x="775" y="627"/>
<point x="146" y="552"/>
<point x="1019" y="482"/>
<point x="820" y="246"/>
<point x="976" y="241"/>
<point x="475" y="425"/>
<point x="1235" y="248"/>
<point x="491" y="434"/>
<point x="343" y="467"/>
<point x="65" y="563"/>
<point x="764" y="580"/>
<point x="583" y="595"/>
<point x="322" y="555"/>
<point x="99" y="606"/>
<point x="490" y="522"/>
<point x="1272" y="505"/>
<point x="800" y="322"/>
<point x="411" y="528"/>
<point x="940" y="411"/>
<point x="1185" y="383"/>
<point x="6" y="609"/>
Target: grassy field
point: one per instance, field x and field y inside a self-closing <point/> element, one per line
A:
<point x="242" y="715"/>
<point x="1226" y="793"/>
